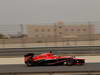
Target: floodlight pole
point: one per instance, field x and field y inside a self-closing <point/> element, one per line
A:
<point x="89" y="33"/>
<point x="55" y="31"/>
<point x="22" y="31"/>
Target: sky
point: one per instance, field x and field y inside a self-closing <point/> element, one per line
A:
<point x="46" y="12"/>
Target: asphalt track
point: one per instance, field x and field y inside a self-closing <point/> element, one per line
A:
<point x="21" y="68"/>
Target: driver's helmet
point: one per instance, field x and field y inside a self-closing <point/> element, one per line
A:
<point x="50" y="52"/>
<point x="73" y="56"/>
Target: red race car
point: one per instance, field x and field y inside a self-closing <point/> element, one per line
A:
<point x="51" y="59"/>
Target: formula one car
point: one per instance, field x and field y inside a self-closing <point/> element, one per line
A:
<point x="51" y="59"/>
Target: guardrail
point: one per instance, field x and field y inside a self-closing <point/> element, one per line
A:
<point x="56" y="73"/>
<point x="57" y="50"/>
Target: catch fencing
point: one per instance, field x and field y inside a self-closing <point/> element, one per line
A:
<point x="50" y="35"/>
<point x="81" y="50"/>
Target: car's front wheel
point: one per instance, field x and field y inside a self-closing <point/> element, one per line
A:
<point x="68" y="62"/>
<point x="82" y="62"/>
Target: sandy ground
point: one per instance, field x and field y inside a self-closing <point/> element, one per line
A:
<point x="20" y="60"/>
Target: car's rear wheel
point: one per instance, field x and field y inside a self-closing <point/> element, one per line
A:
<point x="29" y="62"/>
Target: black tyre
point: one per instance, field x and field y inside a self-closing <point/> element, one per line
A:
<point x="69" y="62"/>
<point x="82" y="62"/>
<point x="30" y="60"/>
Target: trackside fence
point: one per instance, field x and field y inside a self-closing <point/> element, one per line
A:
<point x="82" y="50"/>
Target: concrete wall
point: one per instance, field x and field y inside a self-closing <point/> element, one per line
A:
<point x="52" y="44"/>
<point x="59" y="31"/>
